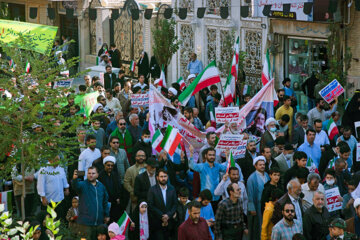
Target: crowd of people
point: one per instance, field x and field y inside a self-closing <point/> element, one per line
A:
<point x="277" y="190"/>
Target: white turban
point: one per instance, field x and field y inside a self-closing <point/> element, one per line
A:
<point x="191" y="76"/>
<point x="173" y="90"/>
<point x="356" y="203"/>
<point x="270" y="120"/>
<point x="97" y="106"/>
<point x="109" y="159"/>
<point x="259" y="158"/>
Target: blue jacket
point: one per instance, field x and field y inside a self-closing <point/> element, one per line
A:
<point x="93" y="202"/>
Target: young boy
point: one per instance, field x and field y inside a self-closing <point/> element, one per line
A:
<point x="348" y="210"/>
<point x="330" y="182"/>
<point x="72" y="215"/>
<point x="183" y="200"/>
<point x="270" y="186"/>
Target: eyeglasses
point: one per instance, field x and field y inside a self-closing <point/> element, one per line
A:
<point x="115" y="142"/>
<point x="289" y="211"/>
<point x="122" y="124"/>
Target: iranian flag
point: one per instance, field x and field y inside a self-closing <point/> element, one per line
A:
<point x="6" y="199"/>
<point x="231" y="79"/>
<point x="212" y="116"/>
<point x="231" y="162"/>
<point x="266" y="72"/>
<point x="332" y="129"/>
<point x="311" y="166"/>
<point x="162" y="79"/>
<point x="209" y="76"/>
<point x="124" y="223"/>
<point x="156" y="141"/>
<point x="132" y="66"/>
<point x="171" y="140"/>
<point x="27" y="67"/>
<point x="181" y="82"/>
<point x="12" y="64"/>
<point x="247" y="89"/>
<point x="332" y="163"/>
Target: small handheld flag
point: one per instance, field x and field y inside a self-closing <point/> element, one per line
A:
<point x="311" y="166"/>
<point x="171" y="140"/>
<point x="181" y="82"/>
<point x="132" y="65"/>
<point x="124" y="223"/>
<point x="156" y="141"/>
<point x="332" y="129"/>
<point x="231" y="162"/>
<point x="27" y="67"/>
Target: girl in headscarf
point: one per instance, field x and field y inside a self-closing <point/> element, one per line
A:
<point x="140" y="226"/>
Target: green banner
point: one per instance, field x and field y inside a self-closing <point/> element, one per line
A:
<point x="87" y="102"/>
<point x="41" y="36"/>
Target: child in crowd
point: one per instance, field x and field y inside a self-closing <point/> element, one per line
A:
<point x="139" y="229"/>
<point x="72" y="215"/>
<point x="114" y="232"/>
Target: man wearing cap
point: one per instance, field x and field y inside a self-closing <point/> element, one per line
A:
<point x="111" y="181"/>
<point x="268" y="138"/>
<point x="255" y="186"/>
<point x="337" y="230"/>
<point x="194" y="66"/>
<point x="144" y="181"/>
<point x="353" y="224"/>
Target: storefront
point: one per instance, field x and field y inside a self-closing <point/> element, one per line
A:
<point x="300" y="52"/>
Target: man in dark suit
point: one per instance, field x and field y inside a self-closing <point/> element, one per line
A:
<point x="298" y="135"/>
<point x="246" y="163"/>
<point x="144" y="181"/>
<point x="293" y="196"/>
<point x="115" y="56"/>
<point x="109" y="78"/>
<point x="162" y="201"/>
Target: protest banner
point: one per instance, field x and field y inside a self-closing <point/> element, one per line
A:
<point x="229" y="141"/>
<point x="86" y="102"/>
<point x="331" y="91"/>
<point x="41" y="36"/>
<point x="64" y="83"/>
<point x="332" y="198"/>
<point x="140" y="100"/>
<point x="240" y="151"/>
<point x="227" y="114"/>
<point x="358" y="152"/>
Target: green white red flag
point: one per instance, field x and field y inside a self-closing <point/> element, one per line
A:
<point x="212" y="116"/>
<point x="181" y="82"/>
<point x="162" y="80"/>
<point x="231" y="162"/>
<point x="27" y="67"/>
<point x="332" y="163"/>
<point x="124" y="223"/>
<point x="156" y="140"/>
<point x="171" y="140"/>
<point x="311" y="166"/>
<point x="230" y="88"/>
<point x="132" y="65"/>
<point x="246" y="89"/>
<point x="332" y="129"/>
<point x="266" y="72"/>
<point x="209" y="76"/>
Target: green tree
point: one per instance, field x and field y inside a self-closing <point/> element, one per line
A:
<point x="166" y="42"/>
<point x="33" y="102"/>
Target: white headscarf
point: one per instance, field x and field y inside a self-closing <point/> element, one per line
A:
<point x="144" y="223"/>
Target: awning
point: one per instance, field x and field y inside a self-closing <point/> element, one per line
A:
<point x="300" y="29"/>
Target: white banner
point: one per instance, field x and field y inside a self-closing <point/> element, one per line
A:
<point x="332" y="198"/>
<point x="64" y="83"/>
<point x="140" y="100"/>
<point x="227" y="114"/>
<point x="229" y="141"/>
<point x="240" y="151"/>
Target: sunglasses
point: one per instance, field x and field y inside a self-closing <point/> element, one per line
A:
<point x="115" y="142"/>
<point x="122" y="124"/>
<point x="289" y="211"/>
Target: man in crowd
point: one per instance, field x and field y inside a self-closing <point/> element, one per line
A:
<point x="293" y="196"/>
<point x="125" y="138"/>
<point x="351" y="141"/>
<point x="112" y="103"/>
<point x="270" y="162"/>
<point x="210" y="142"/>
<point x="285" y="161"/>
<point x="298" y="136"/>
<point x="229" y="217"/>
<point x="93" y="203"/>
<point x="109" y="78"/>
<point x="246" y="163"/>
<point x="288" y="226"/>
<point x="195" y="227"/>
<point x="132" y="172"/>
<point x="311" y="149"/>
<point x="121" y="160"/>
<point x="194" y="66"/>
<point x="337" y="231"/>
<point x="98" y="163"/>
<point x="89" y="155"/>
<point x="162" y="200"/>
<point x="96" y="130"/>
<point x="309" y="188"/>
<point x="255" y="186"/>
<point x="316" y="218"/>
<point x="145" y="180"/>
<point x="144" y="143"/>
<point x="188" y="113"/>
<point x="321" y="138"/>
<point x="318" y="112"/>
<point x="286" y="109"/>
<point x="134" y="128"/>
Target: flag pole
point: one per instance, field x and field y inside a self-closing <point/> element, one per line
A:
<point x="222" y="90"/>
